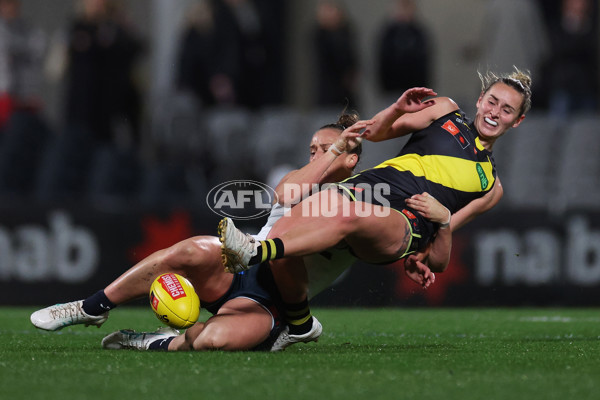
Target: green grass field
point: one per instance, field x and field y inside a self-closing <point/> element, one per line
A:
<point x="363" y="354"/>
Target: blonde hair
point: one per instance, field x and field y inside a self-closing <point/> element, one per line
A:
<point x="518" y="80"/>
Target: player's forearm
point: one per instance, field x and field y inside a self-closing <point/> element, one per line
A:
<point x="300" y="182"/>
<point x="383" y="128"/>
<point x="439" y="256"/>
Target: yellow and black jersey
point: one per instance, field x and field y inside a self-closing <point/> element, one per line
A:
<point x="446" y="160"/>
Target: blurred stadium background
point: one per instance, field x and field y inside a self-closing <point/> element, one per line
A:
<point x="75" y="212"/>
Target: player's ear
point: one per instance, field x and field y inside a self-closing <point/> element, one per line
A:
<point x="518" y="121"/>
<point x="479" y="100"/>
<point x="351" y="160"/>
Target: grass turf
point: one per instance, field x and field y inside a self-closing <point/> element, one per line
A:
<point x="363" y="354"/>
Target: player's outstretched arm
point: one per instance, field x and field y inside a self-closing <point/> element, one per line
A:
<point x="318" y="171"/>
<point x="477" y="206"/>
<point x="409" y="113"/>
<point x="417" y="271"/>
<point x="430" y="208"/>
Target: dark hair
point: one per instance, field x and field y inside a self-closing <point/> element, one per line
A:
<point x="344" y="121"/>
<point x="518" y="80"/>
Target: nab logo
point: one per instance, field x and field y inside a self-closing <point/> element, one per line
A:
<point x="241" y="199"/>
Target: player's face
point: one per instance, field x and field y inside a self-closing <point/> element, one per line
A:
<point x="498" y="111"/>
<point x="321" y="141"/>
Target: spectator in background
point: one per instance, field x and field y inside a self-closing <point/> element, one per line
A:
<point x="515" y="35"/>
<point x="101" y="94"/>
<point x="22" y="49"/>
<point x="273" y="30"/>
<point x="208" y="61"/>
<point x="230" y="52"/>
<point x="336" y="59"/>
<point x="253" y="51"/>
<point x="573" y="66"/>
<point x="403" y="51"/>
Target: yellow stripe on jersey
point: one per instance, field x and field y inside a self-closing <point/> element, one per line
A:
<point x="452" y="172"/>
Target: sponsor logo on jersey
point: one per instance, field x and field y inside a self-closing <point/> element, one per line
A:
<point x="408" y="214"/>
<point x="451" y="128"/>
<point x="482" y="178"/>
<point x="356" y="189"/>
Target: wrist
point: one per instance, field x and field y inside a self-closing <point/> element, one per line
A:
<point x="444" y="225"/>
<point x="336" y="150"/>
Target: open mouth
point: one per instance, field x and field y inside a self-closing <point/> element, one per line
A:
<point x="491" y="122"/>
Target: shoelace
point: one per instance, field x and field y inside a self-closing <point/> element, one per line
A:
<point x="67" y="310"/>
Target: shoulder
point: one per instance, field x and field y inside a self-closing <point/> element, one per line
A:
<point x="443" y="106"/>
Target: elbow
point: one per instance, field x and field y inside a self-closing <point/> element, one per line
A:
<point x="439" y="264"/>
<point x="280" y="196"/>
<point x="438" y="268"/>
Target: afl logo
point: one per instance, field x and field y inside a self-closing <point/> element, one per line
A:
<point x="241" y="199"/>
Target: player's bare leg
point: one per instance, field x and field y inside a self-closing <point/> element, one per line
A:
<point x="197" y="259"/>
<point x="375" y="233"/>
<point x="241" y="324"/>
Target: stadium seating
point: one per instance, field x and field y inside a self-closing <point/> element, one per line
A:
<point x="281" y="137"/>
<point x="229" y="134"/>
<point x="545" y="164"/>
<point x="65" y="166"/>
<point x="23" y="144"/>
<point x="526" y="162"/>
<point x="578" y="179"/>
<point x="114" y="177"/>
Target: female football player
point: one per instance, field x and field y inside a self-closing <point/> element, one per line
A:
<point x="447" y="156"/>
<point x="245" y="305"/>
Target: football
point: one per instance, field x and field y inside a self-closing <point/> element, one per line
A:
<point x="174" y="301"/>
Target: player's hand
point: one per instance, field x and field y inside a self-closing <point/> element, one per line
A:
<point x="412" y="100"/>
<point x="351" y="136"/>
<point x="418" y="272"/>
<point x="427" y="205"/>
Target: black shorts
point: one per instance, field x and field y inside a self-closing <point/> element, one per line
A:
<point x="376" y="186"/>
<point x="257" y="284"/>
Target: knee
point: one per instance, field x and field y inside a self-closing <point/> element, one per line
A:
<point x="347" y="221"/>
<point x="213" y="337"/>
<point x="182" y="254"/>
<point x="190" y="336"/>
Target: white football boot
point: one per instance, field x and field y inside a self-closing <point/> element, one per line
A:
<point x="58" y="316"/>
<point x="130" y="339"/>
<point x="285" y="339"/>
<point x="237" y="248"/>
